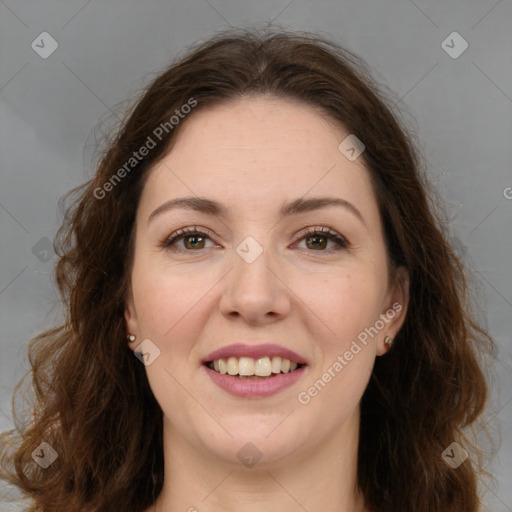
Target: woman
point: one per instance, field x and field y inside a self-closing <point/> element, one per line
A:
<point x="260" y="236"/>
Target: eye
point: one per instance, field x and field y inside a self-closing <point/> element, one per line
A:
<point x="193" y="237"/>
<point x="319" y="238"/>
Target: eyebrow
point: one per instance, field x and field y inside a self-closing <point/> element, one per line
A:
<point x="216" y="209"/>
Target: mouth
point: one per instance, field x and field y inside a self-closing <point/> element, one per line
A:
<point x="248" y="368"/>
<point x="254" y="371"/>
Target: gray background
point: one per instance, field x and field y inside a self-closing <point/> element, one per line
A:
<point x="459" y="107"/>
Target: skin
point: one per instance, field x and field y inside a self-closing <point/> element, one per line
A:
<point x="252" y="155"/>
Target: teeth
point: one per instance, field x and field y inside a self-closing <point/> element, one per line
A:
<point x="263" y="367"/>
<point x="247" y="366"/>
<point x="233" y="366"/>
<point x="223" y="367"/>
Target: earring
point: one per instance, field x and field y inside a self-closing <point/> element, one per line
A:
<point x="388" y="342"/>
<point x="131" y="337"/>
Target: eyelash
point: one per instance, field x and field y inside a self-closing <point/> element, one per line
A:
<point x="322" y="231"/>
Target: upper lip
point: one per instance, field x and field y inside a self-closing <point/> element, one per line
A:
<point x="254" y="351"/>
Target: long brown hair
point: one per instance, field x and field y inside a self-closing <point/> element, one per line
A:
<point x="92" y="400"/>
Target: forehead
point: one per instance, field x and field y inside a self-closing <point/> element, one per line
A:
<point x="262" y="128"/>
<point x="259" y="150"/>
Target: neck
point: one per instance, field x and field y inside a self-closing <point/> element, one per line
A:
<point x="321" y="478"/>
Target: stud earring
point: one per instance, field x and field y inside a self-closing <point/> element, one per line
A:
<point x="388" y="342"/>
<point x="131" y="337"/>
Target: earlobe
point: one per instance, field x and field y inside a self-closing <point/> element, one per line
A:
<point x="388" y="341"/>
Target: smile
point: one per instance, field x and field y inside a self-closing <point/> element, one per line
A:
<point x="254" y="371"/>
<point x="250" y="368"/>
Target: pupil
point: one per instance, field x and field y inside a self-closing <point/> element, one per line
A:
<point x="317" y="238"/>
<point x="192" y="237"/>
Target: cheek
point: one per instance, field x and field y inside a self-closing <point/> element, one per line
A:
<point x="170" y="302"/>
<point x="335" y="391"/>
<point x="347" y="304"/>
<point x="340" y="305"/>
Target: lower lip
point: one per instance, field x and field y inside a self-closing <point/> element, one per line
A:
<point x="255" y="388"/>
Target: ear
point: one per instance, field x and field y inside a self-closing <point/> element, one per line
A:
<point x="394" y="314"/>
<point x="132" y="325"/>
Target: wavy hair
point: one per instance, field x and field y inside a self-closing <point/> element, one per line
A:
<point x="91" y="398"/>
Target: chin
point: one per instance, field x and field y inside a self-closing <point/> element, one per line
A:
<point x="264" y="446"/>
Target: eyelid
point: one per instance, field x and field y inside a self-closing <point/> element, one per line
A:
<point x="314" y="229"/>
<point x="185" y="231"/>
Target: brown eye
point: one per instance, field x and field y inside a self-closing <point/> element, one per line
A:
<point x="193" y="238"/>
<point x="318" y="239"/>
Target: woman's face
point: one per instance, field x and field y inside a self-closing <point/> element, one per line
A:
<point x="254" y="277"/>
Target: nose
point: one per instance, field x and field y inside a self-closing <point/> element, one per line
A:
<point x="255" y="289"/>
